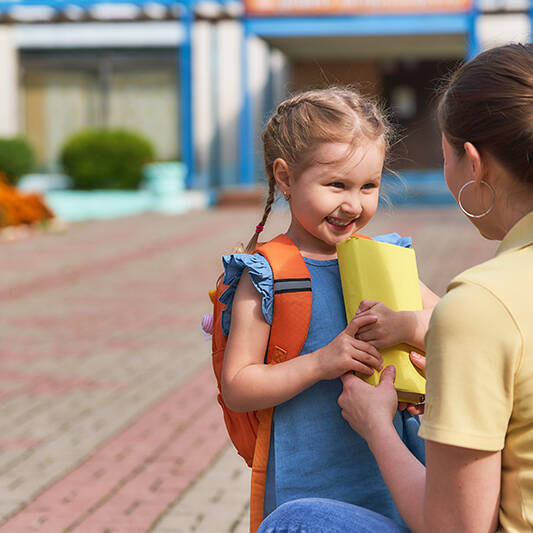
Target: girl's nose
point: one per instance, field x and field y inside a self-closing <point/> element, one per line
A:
<point x="352" y="206"/>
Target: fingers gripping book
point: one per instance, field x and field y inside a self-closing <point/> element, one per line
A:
<point x="373" y="270"/>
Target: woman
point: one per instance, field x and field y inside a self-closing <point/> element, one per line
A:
<point x="478" y="421"/>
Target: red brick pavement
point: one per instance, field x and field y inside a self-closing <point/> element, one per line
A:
<point x="129" y="482"/>
<point x="107" y="409"/>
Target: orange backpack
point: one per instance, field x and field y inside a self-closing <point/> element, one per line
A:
<point x="250" y="432"/>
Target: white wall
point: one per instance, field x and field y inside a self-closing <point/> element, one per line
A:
<point x="228" y="93"/>
<point x="258" y="79"/>
<point x="502" y="28"/>
<point x="491" y="5"/>
<point x="8" y="83"/>
<point x="202" y="105"/>
<point x="217" y="101"/>
<point x="99" y="34"/>
<point x="280" y="76"/>
<point x="259" y="72"/>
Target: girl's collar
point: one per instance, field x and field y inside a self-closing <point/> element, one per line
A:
<point x="320" y="262"/>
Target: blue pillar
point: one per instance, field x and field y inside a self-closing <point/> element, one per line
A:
<point x="473" y="45"/>
<point x="246" y="138"/>
<point x="531" y="21"/>
<point x="186" y="100"/>
<point x="215" y="155"/>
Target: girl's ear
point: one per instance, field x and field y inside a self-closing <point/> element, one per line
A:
<point x="474" y="162"/>
<point x="282" y="175"/>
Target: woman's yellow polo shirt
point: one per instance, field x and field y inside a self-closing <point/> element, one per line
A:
<point x="480" y="368"/>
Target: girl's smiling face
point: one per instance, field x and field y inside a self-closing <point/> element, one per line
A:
<point x="334" y="197"/>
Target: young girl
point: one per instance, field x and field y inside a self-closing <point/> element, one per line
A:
<point x="324" y="150"/>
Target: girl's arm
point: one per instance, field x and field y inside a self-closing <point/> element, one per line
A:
<point x="248" y="384"/>
<point x="429" y="298"/>
<point x="459" y="490"/>
<point x="395" y="327"/>
<point x="415" y="323"/>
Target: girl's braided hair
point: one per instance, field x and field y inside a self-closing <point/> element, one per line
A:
<point x="301" y="123"/>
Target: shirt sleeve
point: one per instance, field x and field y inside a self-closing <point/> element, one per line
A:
<point x="395" y="238"/>
<point x="473" y="350"/>
<point x="261" y="276"/>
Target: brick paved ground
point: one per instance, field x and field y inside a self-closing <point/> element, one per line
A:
<point x="108" y="418"/>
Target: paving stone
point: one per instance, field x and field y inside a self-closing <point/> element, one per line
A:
<point x="101" y="329"/>
<point x="219" y="499"/>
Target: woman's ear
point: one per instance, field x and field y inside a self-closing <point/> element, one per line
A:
<point x="282" y="175"/>
<point x="474" y="163"/>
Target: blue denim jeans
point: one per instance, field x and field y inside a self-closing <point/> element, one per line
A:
<point x="319" y="515"/>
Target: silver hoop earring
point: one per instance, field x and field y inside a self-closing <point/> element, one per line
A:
<point x="487" y="211"/>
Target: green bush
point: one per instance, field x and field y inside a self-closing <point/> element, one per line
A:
<point x="106" y="158"/>
<point x="16" y="158"/>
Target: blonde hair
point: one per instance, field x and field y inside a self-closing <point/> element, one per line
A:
<point x="303" y="122"/>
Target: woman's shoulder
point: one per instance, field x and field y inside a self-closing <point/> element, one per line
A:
<point x="503" y="282"/>
<point x="472" y="309"/>
<point x="506" y="277"/>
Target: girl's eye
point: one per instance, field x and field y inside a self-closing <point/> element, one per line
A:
<point x="337" y="184"/>
<point x="370" y="185"/>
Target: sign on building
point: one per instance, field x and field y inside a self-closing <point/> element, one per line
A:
<point x="338" y="7"/>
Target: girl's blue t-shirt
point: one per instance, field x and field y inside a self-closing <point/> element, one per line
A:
<point x="313" y="450"/>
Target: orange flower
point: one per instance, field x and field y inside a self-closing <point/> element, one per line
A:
<point x="18" y="208"/>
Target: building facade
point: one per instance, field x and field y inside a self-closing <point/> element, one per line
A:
<point x="200" y="78"/>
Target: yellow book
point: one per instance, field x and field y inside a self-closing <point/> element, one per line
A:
<point x="373" y="270"/>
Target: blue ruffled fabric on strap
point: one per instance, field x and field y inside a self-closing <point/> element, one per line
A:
<point x="261" y="276"/>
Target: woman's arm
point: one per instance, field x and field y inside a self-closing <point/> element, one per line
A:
<point x="461" y="491"/>
<point x="249" y="384"/>
<point x="416" y="322"/>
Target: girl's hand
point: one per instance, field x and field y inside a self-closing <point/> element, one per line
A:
<point x="388" y="330"/>
<point x="369" y="410"/>
<point x="345" y="353"/>
<point x="419" y="361"/>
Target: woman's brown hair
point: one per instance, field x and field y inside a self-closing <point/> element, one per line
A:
<point x="489" y="102"/>
<point x="306" y="120"/>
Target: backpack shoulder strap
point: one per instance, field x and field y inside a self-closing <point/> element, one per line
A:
<point x="292" y="299"/>
<point x="290" y="323"/>
<point x="362" y="236"/>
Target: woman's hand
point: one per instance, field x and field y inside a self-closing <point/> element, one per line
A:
<point x="389" y="329"/>
<point x="369" y="410"/>
<point x="420" y="362"/>
<point x="345" y="353"/>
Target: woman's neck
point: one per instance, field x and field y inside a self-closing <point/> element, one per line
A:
<point x="513" y="199"/>
<point x="516" y="204"/>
